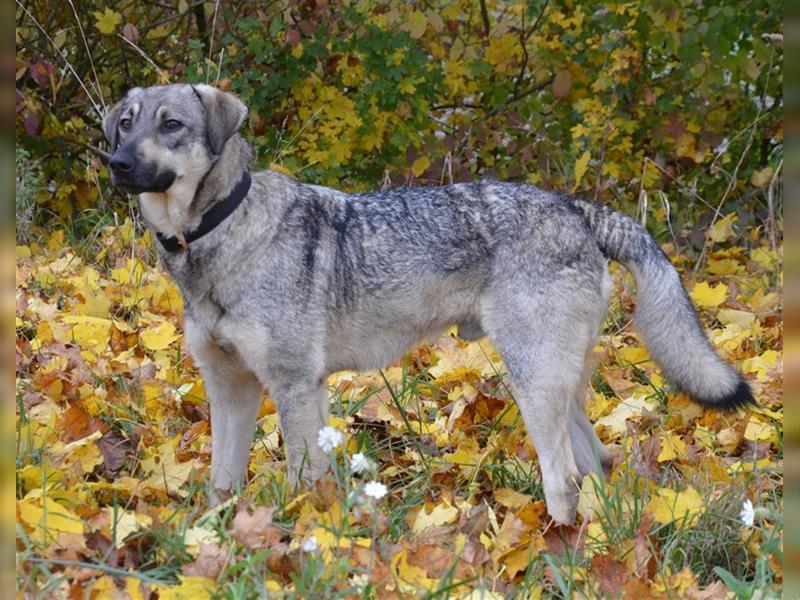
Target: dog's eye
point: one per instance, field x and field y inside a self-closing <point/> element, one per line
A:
<point x="171" y="125"/>
<point x="125" y="124"/>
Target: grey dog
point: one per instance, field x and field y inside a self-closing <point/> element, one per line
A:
<point x="285" y="283"/>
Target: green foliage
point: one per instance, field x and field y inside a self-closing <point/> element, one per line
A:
<point x="28" y="184"/>
<point x="623" y="101"/>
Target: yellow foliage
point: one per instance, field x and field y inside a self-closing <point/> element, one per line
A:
<point x="683" y="508"/>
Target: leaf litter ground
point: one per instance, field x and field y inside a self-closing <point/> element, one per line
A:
<point x="113" y="451"/>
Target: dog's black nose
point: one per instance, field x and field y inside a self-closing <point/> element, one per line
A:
<point x="121" y="161"/>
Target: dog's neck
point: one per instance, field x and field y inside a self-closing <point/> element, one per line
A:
<point x="180" y="209"/>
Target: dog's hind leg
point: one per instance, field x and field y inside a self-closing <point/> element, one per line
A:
<point x="591" y="455"/>
<point x="542" y="334"/>
<point x="303" y="412"/>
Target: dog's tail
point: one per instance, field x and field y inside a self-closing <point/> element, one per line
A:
<point x="664" y="313"/>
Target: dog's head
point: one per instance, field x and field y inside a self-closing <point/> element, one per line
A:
<point x="165" y="133"/>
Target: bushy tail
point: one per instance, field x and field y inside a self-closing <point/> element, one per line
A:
<point x="664" y="313"/>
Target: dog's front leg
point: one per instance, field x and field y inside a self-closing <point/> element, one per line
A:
<point x="234" y="395"/>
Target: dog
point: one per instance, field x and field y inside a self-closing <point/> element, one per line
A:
<point x="285" y="283"/>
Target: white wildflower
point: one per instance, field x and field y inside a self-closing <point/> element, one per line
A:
<point x="360" y="581"/>
<point x="310" y="545"/>
<point x="329" y="438"/>
<point x="748" y="513"/>
<point x="360" y="463"/>
<point x="375" y="489"/>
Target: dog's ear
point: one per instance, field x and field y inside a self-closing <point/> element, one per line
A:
<point x="111" y="120"/>
<point x="225" y="113"/>
<point x="111" y="124"/>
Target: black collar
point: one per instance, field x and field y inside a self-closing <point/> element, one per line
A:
<point x="211" y="218"/>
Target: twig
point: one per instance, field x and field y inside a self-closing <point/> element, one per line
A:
<point x="161" y="73"/>
<point x="732" y="180"/>
<point x="96" y="81"/>
<point x="96" y="106"/>
<point x="523" y="40"/>
<point x="211" y="38"/>
<point x="771" y="225"/>
<point x="95" y="567"/>
<point x="485" y="18"/>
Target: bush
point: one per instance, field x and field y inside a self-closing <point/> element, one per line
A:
<point x="625" y="103"/>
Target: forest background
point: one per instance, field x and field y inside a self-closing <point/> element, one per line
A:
<point x="670" y="112"/>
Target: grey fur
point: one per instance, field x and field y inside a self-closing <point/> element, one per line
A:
<point x="301" y="281"/>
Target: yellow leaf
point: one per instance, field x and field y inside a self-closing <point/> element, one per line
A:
<point x="160" y="336"/>
<point x="164" y="470"/>
<point x="764" y="257"/>
<point x="134" y="588"/>
<point x="415" y="24"/>
<point x="722" y="230"/>
<point x="89" y="332"/>
<point x="195" y="536"/>
<point x="730" y="337"/>
<point x="616" y="421"/>
<point x="411" y="574"/>
<point x="126" y="522"/>
<point x="511" y="498"/>
<point x="107" y="21"/>
<point x="85" y="452"/>
<point x="682" y="507"/>
<point x="743" y="318"/>
<point x="191" y="587"/>
<point x="725" y="266"/>
<point x="580" y="168"/>
<point x="588" y="500"/>
<point x="48" y="518"/>
<point x="728" y="439"/>
<point x="761" y="364"/>
<point x="761" y="178"/>
<point x="420" y="165"/>
<point x="707" y="296"/>
<point x="103" y="588"/>
<point x="760" y="432"/>
<point x="634" y="354"/>
<point x="462" y="457"/>
<point x="439" y="515"/>
<point x="672" y="447"/>
<point x="748" y="466"/>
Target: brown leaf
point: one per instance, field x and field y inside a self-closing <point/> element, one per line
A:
<point x="562" y="84"/>
<point x="280" y="561"/>
<point x="611" y="574"/>
<point x="532" y="515"/>
<point x="436" y="560"/>
<point x="75" y="424"/>
<point x="115" y="450"/>
<point x="562" y="538"/>
<point x="130" y="32"/>
<point x="475" y="553"/>
<point x="210" y="562"/>
<point x="255" y="530"/>
<point x="716" y="591"/>
<point x="474" y="522"/>
<point x="644" y="566"/>
<point x="616" y="380"/>
<point x="510" y="533"/>
<point x="637" y="589"/>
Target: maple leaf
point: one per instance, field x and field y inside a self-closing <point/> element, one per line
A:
<point x="683" y="508"/>
<point x="439" y="515"/>
<point x="255" y="529"/>
<point x="107" y="21"/>
<point x="707" y="296"/>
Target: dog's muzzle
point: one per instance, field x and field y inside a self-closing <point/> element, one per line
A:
<point x="136" y="177"/>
